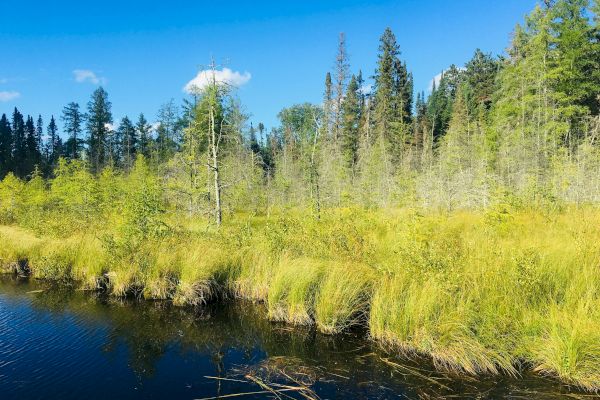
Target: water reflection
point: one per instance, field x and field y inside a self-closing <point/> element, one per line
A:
<point x="64" y="343"/>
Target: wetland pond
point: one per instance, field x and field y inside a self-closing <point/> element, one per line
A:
<point x="58" y="343"/>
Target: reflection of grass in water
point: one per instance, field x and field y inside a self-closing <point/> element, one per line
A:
<point x="476" y="293"/>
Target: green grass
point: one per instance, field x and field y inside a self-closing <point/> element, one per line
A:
<point x="474" y="292"/>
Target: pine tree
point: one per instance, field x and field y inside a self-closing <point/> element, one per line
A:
<point x="73" y="119"/>
<point x="6" y="143"/>
<point x="99" y="118"/>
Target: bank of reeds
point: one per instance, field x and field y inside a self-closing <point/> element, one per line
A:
<point x="477" y="292"/>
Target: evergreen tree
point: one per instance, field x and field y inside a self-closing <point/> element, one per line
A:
<point x="393" y="95"/>
<point x="341" y="76"/>
<point x="480" y="74"/>
<point x="19" y="143"/>
<point x="99" y="118"/>
<point x="423" y="139"/>
<point x="39" y="134"/>
<point x="576" y="65"/>
<point x="254" y="146"/>
<point x="351" y="116"/>
<point x="54" y="144"/>
<point x="33" y="154"/>
<point x="6" y="145"/>
<point x="439" y="107"/>
<point x="168" y="130"/>
<point x="129" y="142"/>
<point x="144" y="131"/>
<point x="73" y="119"/>
<point x="328" y="107"/>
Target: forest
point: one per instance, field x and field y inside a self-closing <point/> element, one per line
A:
<point x="460" y="225"/>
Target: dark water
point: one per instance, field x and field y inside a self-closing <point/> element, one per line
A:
<point x="67" y="344"/>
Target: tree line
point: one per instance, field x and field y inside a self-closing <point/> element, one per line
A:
<point x="522" y="126"/>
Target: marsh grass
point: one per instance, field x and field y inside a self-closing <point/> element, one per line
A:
<point x="475" y="292"/>
<point x="293" y="290"/>
<point x="344" y="297"/>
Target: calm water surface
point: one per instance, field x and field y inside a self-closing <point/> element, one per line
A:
<point x="68" y="344"/>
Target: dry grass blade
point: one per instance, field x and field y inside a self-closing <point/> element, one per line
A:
<point x="225" y="396"/>
<point x="413" y="371"/>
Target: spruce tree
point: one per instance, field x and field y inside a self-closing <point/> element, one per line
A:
<point x="129" y="142"/>
<point x="351" y="116"/>
<point x="393" y="95"/>
<point x="54" y="146"/>
<point x="72" y="120"/>
<point x="480" y="74"/>
<point x="144" y="129"/>
<point x="167" y="131"/>
<point x="254" y="146"/>
<point x="341" y="76"/>
<point x="6" y="144"/>
<point x="33" y="153"/>
<point x="19" y="143"/>
<point x="328" y="107"/>
<point x="439" y="105"/>
<point x="99" y="118"/>
<point x="39" y="134"/>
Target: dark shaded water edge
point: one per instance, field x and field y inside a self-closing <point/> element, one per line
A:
<point x="60" y="342"/>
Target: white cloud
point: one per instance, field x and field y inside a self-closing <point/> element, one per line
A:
<point x="3" y="80"/>
<point x="110" y="127"/>
<point x="225" y="75"/>
<point x="8" y="96"/>
<point x="86" y="75"/>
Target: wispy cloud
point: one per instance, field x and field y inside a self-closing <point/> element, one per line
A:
<point x="8" y="96"/>
<point x="3" y="81"/>
<point x="86" y="75"/>
<point x="201" y="81"/>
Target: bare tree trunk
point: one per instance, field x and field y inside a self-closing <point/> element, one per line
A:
<point x="215" y="168"/>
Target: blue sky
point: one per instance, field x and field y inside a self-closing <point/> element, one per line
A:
<point x="145" y="52"/>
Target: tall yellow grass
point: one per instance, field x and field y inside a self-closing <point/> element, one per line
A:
<point x="476" y="292"/>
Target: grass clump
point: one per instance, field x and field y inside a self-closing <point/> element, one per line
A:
<point x="203" y="274"/>
<point x="344" y="297"/>
<point x="293" y="290"/>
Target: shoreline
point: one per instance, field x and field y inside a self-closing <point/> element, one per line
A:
<point x="430" y="309"/>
